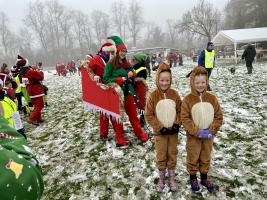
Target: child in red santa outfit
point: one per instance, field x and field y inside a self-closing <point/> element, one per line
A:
<point x="118" y="70"/>
<point x="32" y="77"/>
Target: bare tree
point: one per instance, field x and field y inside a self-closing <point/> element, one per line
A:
<point x="100" y="24"/>
<point x="55" y="15"/>
<point x="172" y="32"/>
<point x="245" y="14"/>
<point x="36" y="19"/>
<point x="4" y="32"/>
<point x="202" y="20"/>
<point x="78" y="17"/>
<point x="148" y="29"/>
<point x="119" y="15"/>
<point x="135" y="20"/>
<point x="87" y="33"/>
<point x="66" y="25"/>
<point x="154" y="36"/>
<point x="157" y="36"/>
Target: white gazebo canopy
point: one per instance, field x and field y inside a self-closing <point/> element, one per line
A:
<point x="237" y="36"/>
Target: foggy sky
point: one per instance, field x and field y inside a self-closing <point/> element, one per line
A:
<point x="153" y="10"/>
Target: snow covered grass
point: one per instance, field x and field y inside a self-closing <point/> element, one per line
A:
<point x="77" y="165"/>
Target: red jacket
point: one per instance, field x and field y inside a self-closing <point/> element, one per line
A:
<point x="11" y="93"/>
<point x="97" y="65"/>
<point x="33" y="85"/>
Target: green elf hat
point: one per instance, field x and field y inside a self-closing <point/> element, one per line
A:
<point x="118" y="42"/>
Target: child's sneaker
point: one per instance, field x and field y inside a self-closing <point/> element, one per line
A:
<point x="194" y="185"/>
<point x="206" y="183"/>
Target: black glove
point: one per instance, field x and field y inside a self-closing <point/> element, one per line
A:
<point x="175" y="129"/>
<point x="165" y="131"/>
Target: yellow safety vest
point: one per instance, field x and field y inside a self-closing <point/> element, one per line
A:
<point x="18" y="89"/>
<point x="139" y="69"/>
<point x="209" y="59"/>
<point x="9" y="107"/>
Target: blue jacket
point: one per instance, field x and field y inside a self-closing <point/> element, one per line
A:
<point x="201" y="59"/>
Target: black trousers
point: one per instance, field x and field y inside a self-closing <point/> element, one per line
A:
<point x="249" y="66"/>
<point x="19" y="98"/>
<point x="209" y="73"/>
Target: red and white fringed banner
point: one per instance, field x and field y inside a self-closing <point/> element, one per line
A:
<point x="107" y="99"/>
<point x="7" y="136"/>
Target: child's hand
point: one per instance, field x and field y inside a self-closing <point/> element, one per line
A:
<point x="130" y="74"/>
<point x="96" y="78"/>
<point x="204" y="133"/>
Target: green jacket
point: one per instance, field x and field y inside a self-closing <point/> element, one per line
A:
<point x="111" y="74"/>
<point x="20" y="174"/>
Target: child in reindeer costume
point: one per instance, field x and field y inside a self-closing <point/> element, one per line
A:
<point x="201" y="117"/>
<point x="20" y="173"/>
<point x="162" y="113"/>
<point x="118" y="70"/>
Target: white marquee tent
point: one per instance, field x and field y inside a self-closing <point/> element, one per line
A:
<point x="237" y="36"/>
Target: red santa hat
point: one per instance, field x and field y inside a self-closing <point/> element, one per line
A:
<point x="108" y="46"/>
<point x="21" y="62"/>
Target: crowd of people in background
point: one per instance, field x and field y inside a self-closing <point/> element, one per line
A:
<point x="22" y="92"/>
<point x="22" y="97"/>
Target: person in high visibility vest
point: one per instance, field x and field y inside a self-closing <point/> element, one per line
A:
<point x="139" y="65"/>
<point x="207" y="59"/>
<point x="10" y="111"/>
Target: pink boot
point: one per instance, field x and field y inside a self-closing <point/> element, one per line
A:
<point x="161" y="183"/>
<point x="172" y="184"/>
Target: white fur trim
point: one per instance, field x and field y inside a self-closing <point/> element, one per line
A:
<point x="93" y="107"/>
<point x="203" y="114"/>
<point x="27" y="62"/>
<point x="35" y="96"/>
<point x="109" y="48"/>
<point x="166" y="112"/>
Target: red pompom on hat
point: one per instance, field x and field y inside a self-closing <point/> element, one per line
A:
<point x="108" y="46"/>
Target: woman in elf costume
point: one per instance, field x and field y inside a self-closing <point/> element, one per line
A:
<point x="20" y="174"/>
<point x="118" y="70"/>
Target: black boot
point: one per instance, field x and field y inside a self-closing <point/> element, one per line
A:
<point x="206" y="183"/>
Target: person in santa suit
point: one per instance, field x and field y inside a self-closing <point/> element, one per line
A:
<point x="32" y="79"/>
<point x="96" y="65"/>
<point x="118" y="70"/>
